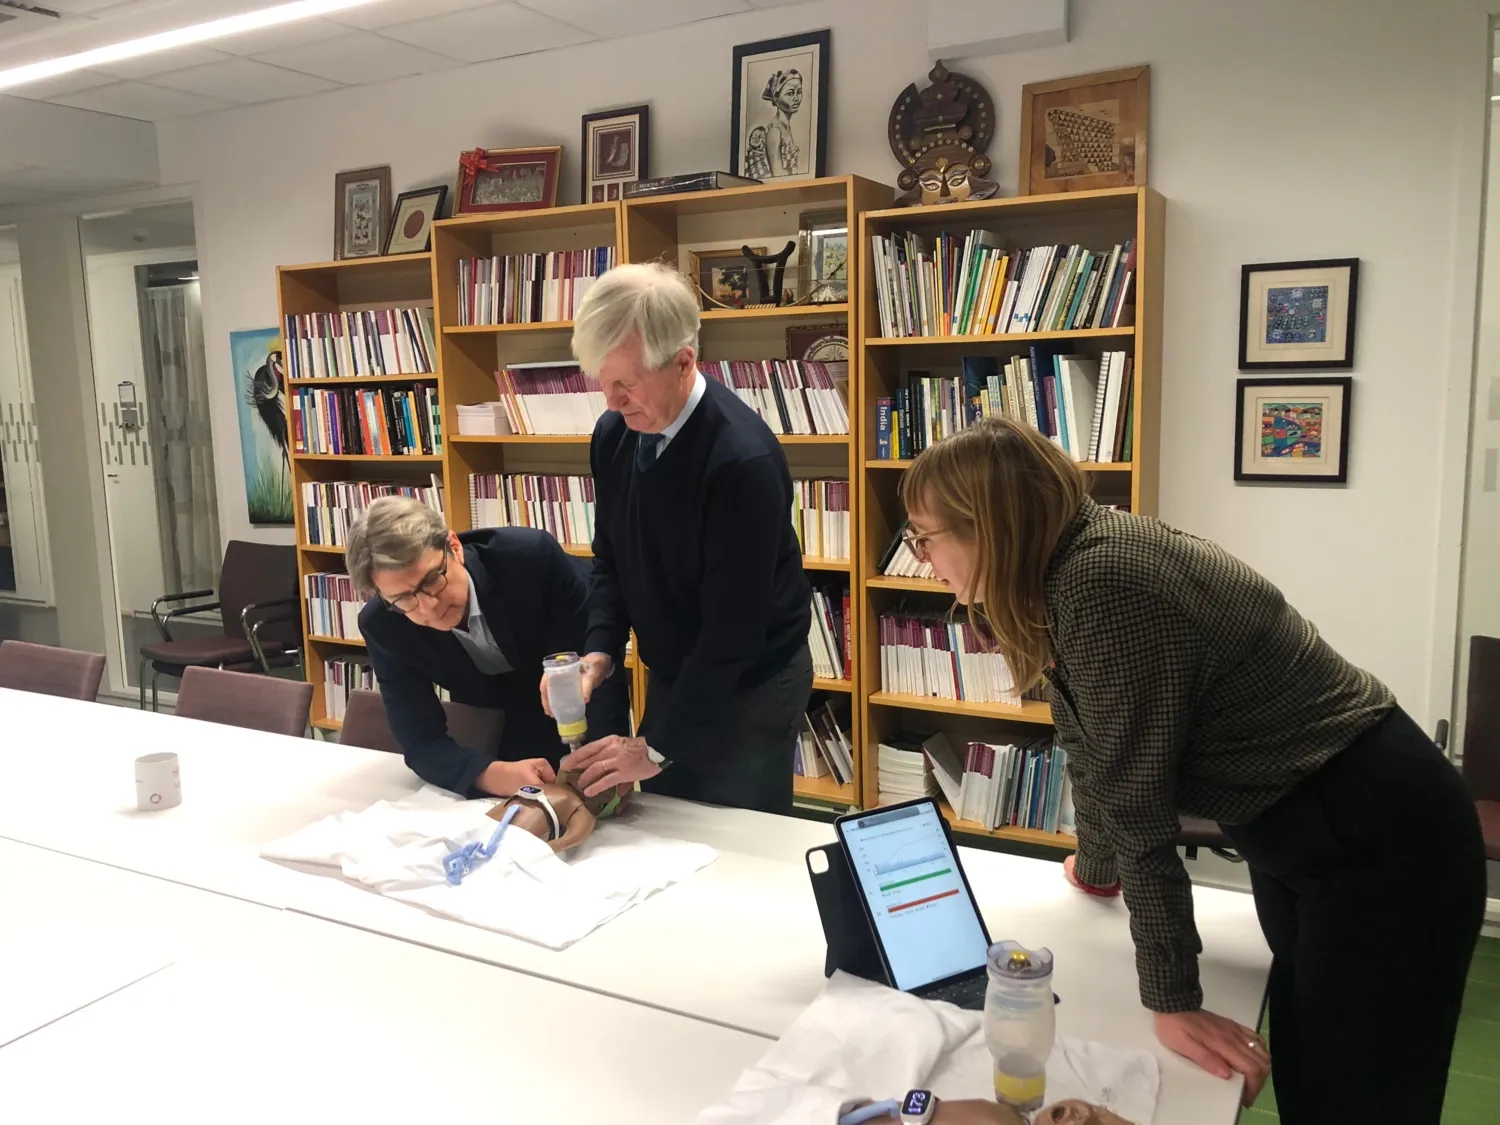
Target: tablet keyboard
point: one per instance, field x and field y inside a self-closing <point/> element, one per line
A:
<point x="968" y="993"/>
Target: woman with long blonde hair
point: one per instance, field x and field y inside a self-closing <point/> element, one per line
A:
<point x="1183" y="683"/>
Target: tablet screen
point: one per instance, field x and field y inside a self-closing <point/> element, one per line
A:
<point x="924" y="918"/>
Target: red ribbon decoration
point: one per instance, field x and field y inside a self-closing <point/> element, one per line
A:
<point x="475" y="161"/>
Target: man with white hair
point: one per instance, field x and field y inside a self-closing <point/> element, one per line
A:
<point x="694" y="549"/>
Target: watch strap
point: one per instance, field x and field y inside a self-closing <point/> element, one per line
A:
<point x="541" y="798"/>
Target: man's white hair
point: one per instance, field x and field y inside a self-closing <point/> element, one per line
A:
<point x="650" y="300"/>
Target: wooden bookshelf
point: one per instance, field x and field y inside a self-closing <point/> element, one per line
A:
<point x="1097" y="219"/>
<point x="670" y="229"/>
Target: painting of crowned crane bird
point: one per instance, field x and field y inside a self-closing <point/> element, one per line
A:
<point x="260" y="391"/>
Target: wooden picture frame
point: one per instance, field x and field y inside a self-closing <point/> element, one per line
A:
<point x="1085" y="133"/>
<point x="508" y="179"/>
<point x="774" y="133"/>
<point x="722" y="276"/>
<point x="1293" y="431"/>
<point x="616" y="147"/>
<point x="361" y="212"/>
<point x="412" y="218"/>
<point x="1298" y="316"/>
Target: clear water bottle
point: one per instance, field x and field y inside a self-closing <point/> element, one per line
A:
<point x="1019" y="1024"/>
<point x="564" y="672"/>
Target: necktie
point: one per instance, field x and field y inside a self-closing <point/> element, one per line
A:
<point x="645" y="450"/>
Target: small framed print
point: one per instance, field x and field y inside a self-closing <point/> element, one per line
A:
<point x="411" y="225"/>
<point x="823" y="257"/>
<point x="508" y="179"/>
<point x="1298" y="315"/>
<point x="616" y="152"/>
<point x="826" y="343"/>
<point x="722" y="276"/>
<point x="361" y="210"/>
<point x="1293" y="431"/>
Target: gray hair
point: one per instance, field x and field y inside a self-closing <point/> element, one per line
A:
<point x="392" y="534"/>
<point x="650" y="300"/>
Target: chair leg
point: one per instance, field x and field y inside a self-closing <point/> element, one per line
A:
<point x="1191" y="851"/>
<point x="140" y="679"/>
<point x="155" y="698"/>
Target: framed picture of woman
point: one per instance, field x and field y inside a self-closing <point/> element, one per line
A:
<point x="780" y="125"/>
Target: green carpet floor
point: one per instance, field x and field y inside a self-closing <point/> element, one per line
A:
<point x="1474" y="1077"/>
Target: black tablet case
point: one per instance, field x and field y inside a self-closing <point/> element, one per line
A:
<point x="846" y="927"/>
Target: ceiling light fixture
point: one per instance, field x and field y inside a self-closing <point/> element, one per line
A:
<point x="180" y="37"/>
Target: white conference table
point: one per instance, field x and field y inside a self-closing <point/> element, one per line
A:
<point x="255" y="1014"/>
<point x="739" y="944"/>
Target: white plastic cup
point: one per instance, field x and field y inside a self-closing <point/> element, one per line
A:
<point x="158" y="784"/>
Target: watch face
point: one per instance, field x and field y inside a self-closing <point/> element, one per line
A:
<point x="528" y="791"/>
<point x="917" y="1103"/>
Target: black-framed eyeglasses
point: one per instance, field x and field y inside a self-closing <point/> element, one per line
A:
<point x="918" y="542"/>
<point x="430" y="587"/>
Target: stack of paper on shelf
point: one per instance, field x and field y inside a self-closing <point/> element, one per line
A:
<point x="482" y="419"/>
<point x="904" y="772"/>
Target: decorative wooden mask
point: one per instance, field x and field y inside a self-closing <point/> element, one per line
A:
<point x="940" y="134"/>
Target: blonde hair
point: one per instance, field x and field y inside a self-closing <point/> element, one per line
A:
<point x="650" y="301"/>
<point x="391" y="534"/>
<point x="1011" y="492"/>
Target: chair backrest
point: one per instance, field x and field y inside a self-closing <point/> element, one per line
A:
<point x="1481" y="764"/>
<point x="238" y="699"/>
<point x="474" y="728"/>
<point x="259" y="572"/>
<point x="50" y="671"/>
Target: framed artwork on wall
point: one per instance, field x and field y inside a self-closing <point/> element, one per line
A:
<point x="411" y="225"/>
<point x="255" y="357"/>
<point x="1298" y="315"/>
<point x="508" y="179"/>
<point x="779" y="127"/>
<point x="616" y="152"/>
<point x="1085" y="133"/>
<point x="361" y="211"/>
<point x="1293" y="431"/>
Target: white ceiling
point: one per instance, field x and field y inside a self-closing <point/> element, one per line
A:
<point x="375" y="43"/>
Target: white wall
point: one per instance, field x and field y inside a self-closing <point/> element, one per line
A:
<point x="1280" y="130"/>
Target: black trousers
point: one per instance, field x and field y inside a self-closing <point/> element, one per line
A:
<point x="1369" y="881"/>
<point x="749" y="763"/>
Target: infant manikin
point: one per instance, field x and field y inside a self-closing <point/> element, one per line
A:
<point x="557" y="812"/>
<point x="1068" y="1112"/>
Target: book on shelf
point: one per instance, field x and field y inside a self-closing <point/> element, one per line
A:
<point x="1013" y="785"/>
<point x="899" y="561"/>
<point x="551" y="397"/>
<point x="1083" y="404"/>
<point x="332" y="506"/>
<point x="824" y="746"/>
<point x="929" y="654"/>
<point x="528" y="288"/>
<point x="342" y="677"/>
<point x="482" y="419"/>
<point x="828" y="635"/>
<point x="791" y="396"/>
<point x="903" y="771"/>
<point x="974" y="285"/>
<point x="688" y="181"/>
<point x="561" y="505"/>
<point x="385" y="421"/>
<point x="346" y="345"/>
<point x="820" y="515"/>
<point x="332" y="605"/>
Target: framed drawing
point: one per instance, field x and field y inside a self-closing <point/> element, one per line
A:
<point x="1293" y="431"/>
<point x="1298" y="315"/>
<point x="1086" y="132"/>
<point x="508" y="179"/>
<point x="722" y="276"/>
<point x="616" y="152"/>
<point x="411" y="225"/>
<point x="779" y="128"/>
<point x="827" y="343"/>
<point x="361" y="209"/>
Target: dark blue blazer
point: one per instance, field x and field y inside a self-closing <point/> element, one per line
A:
<point x="535" y="602"/>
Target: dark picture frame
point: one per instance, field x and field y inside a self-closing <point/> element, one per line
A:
<point x="616" y="147"/>
<point x="483" y="174"/>
<point x="1282" y="299"/>
<point x="708" y="270"/>
<point x="770" y="118"/>
<point x="412" y="217"/>
<point x="1293" y="430"/>
<point x="361" y="212"/>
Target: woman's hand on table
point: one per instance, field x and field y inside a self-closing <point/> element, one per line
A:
<point x="1219" y="1045"/>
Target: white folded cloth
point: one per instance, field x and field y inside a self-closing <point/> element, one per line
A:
<point x="864" y="1040"/>
<point x="525" y="890"/>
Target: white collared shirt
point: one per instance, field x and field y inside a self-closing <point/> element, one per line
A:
<point x="695" y="396"/>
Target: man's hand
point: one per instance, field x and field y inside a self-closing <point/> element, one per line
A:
<point x="504" y="778"/>
<point x="596" y="669"/>
<point x="1217" y="1044"/>
<point x="1103" y="892"/>
<point x="610" y="761"/>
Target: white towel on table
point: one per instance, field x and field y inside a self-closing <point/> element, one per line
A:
<point x="863" y="1040"/>
<point x="524" y="890"/>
